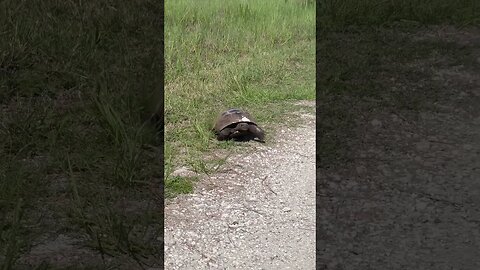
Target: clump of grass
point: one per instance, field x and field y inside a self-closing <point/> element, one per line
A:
<point x="178" y="185"/>
<point x="221" y="54"/>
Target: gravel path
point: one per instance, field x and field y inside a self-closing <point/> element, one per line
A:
<point x="411" y="197"/>
<point x="258" y="213"/>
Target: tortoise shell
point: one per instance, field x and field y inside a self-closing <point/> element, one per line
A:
<point x="232" y="116"/>
<point x="239" y="125"/>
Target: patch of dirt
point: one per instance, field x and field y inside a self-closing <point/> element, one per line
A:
<point x="306" y="103"/>
<point x="256" y="213"/>
<point x="410" y="198"/>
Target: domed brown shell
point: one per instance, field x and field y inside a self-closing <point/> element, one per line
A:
<point x="232" y="116"/>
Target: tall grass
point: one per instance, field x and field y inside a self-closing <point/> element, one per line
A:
<point x="220" y="54"/>
<point x="76" y="78"/>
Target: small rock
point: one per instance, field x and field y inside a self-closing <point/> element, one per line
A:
<point x="286" y="209"/>
<point x="234" y="225"/>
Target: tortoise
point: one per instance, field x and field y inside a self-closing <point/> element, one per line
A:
<point x="237" y="125"/>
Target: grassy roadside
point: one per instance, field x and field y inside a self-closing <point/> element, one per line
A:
<point x="76" y="159"/>
<point x="219" y="54"/>
<point x="371" y="59"/>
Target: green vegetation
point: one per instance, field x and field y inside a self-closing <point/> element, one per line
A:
<point x="374" y="57"/>
<point x="255" y="55"/>
<point x="75" y="155"/>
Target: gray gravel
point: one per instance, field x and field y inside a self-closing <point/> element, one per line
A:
<point x="410" y="198"/>
<point x="257" y="213"/>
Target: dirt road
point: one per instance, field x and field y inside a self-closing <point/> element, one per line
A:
<point x="258" y="213"/>
<point x="410" y="196"/>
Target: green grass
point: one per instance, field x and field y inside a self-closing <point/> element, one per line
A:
<point x="255" y="55"/>
<point x="76" y="81"/>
